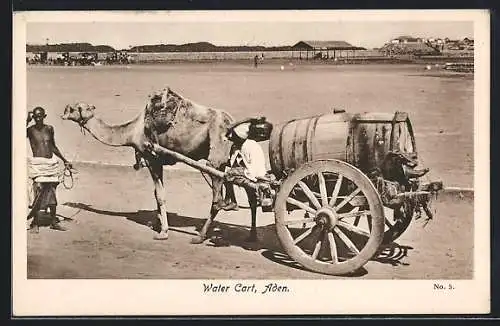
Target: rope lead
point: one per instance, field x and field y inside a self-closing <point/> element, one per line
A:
<point x="68" y="174"/>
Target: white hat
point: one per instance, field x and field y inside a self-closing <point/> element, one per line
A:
<point x="242" y="130"/>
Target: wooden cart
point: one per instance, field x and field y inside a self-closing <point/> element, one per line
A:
<point x="342" y="185"/>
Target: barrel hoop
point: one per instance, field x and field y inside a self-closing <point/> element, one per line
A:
<point x="311" y="137"/>
<point x="280" y="152"/>
<point x="305" y="143"/>
<point x="350" y="156"/>
<point x="294" y="139"/>
<point x="412" y="135"/>
<point x="374" y="121"/>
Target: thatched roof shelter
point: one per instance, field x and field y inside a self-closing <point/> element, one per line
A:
<point x="325" y="45"/>
<point x="318" y="47"/>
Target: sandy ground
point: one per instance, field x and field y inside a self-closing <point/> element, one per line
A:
<point x="109" y="236"/>
<point x="111" y="206"/>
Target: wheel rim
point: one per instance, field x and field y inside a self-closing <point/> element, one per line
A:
<point x="396" y="222"/>
<point x="313" y="209"/>
<point x="397" y="225"/>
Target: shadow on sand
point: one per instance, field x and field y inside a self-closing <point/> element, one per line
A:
<point x="236" y="235"/>
<point x="393" y="254"/>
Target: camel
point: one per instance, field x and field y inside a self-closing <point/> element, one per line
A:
<point x="174" y="122"/>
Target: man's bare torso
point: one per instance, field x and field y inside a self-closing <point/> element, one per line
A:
<point x="41" y="140"/>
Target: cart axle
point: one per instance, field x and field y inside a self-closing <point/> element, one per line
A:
<point x="326" y="217"/>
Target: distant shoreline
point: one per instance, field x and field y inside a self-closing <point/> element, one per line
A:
<point x="339" y="61"/>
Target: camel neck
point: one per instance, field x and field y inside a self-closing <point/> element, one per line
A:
<point x="113" y="135"/>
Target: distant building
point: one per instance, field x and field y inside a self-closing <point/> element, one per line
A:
<point x="406" y="39"/>
<point x="426" y="46"/>
<point x="323" y="49"/>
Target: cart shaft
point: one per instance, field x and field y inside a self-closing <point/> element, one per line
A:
<point x="184" y="159"/>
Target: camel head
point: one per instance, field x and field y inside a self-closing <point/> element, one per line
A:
<point x="79" y="112"/>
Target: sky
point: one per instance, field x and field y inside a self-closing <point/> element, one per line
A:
<point x="122" y="35"/>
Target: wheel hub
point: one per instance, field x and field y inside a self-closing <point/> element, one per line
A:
<point x="326" y="218"/>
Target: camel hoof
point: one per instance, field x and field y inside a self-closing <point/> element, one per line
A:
<point x="198" y="240"/>
<point x="161" y="236"/>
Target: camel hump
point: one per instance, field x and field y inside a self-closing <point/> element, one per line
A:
<point x="162" y="108"/>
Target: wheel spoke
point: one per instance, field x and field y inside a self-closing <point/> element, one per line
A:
<point x="333" y="247"/>
<point x="303" y="236"/>
<point x="347" y="199"/>
<point x="300" y="205"/>
<point x="346" y="240"/>
<point x="304" y="220"/>
<point x="316" y="249"/>
<point x="369" y="221"/>
<point x="388" y="223"/>
<point x="322" y="189"/>
<point x="309" y="194"/>
<point x="354" y="229"/>
<point x="336" y="191"/>
<point x="357" y="215"/>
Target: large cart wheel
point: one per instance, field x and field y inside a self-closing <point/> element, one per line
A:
<point x="312" y="210"/>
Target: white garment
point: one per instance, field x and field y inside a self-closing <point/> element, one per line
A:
<point x="252" y="157"/>
<point x="43" y="169"/>
<point x="242" y="130"/>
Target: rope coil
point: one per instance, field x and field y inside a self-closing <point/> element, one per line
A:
<point x="68" y="174"/>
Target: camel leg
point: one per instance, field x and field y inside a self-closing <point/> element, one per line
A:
<point x="156" y="171"/>
<point x="252" y="201"/>
<point x="218" y="156"/>
<point x="216" y="207"/>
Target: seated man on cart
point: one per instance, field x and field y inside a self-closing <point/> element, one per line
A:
<point x="248" y="157"/>
<point x="247" y="160"/>
<point x="43" y="168"/>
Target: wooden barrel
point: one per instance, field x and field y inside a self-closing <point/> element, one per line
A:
<point x="359" y="139"/>
<point x="372" y="139"/>
<point x="296" y="142"/>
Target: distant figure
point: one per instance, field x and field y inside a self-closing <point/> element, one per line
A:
<point x="256" y="61"/>
<point x="43" y="167"/>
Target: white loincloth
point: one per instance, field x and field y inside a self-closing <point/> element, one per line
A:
<point x="41" y="169"/>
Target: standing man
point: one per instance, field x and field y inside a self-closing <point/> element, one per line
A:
<point x="256" y="61"/>
<point x="43" y="165"/>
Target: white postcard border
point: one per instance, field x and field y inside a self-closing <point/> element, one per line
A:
<point x="186" y="297"/>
